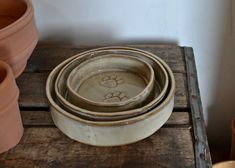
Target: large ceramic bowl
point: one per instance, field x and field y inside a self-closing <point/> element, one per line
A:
<point x="113" y="133"/>
<point x="110" y="83"/>
<point x="161" y="84"/>
<point x="18" y="34"/>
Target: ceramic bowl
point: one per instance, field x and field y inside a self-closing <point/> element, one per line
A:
<point x="109" y="133"/>
<point x="18" y="33"/>
<point x="161" y="83"/>
<point x="110" y="83"/>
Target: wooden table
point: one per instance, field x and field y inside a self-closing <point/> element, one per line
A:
<point x="181" y="142"/>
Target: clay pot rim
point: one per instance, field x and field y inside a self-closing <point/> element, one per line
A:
<point x="25" y="18"/>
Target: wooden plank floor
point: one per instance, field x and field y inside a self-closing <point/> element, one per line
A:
<point x="43" y="145"/>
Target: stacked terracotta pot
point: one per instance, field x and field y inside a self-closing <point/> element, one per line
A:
<point x="18" y="38"/>
<point x="11" y="129"/>
<point x="111" y="96"/>
<point x="18" y="33"/>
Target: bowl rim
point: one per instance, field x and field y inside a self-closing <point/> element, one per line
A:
<point x="155" y="110"/>
<point x="144" y="92"/>
<point x="151" y="104"/>
<point x="25" y="18"/>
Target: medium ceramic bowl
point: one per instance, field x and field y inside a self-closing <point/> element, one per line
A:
<point x="161" y="84"/>
<point x="109" y="133"/>
<point x="18" y="33"/>
<point x="110" y="83"/>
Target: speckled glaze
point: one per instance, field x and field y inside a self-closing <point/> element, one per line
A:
<point x="110" y="83"/>
<point x="18" y="34"/>
<point x="161" y="80"/>
<point x="110" y="133"/>
<point x="11" y="129"/>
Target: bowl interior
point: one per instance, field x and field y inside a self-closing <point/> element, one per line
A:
<point x="112" y="80"/>
<point x="10" y="11"/>
<point x="112" y="116"/>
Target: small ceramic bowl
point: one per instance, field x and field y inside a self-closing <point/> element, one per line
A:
<point x="110" y="83"/>
<point x="113" y="133"/>
<point x="161" y="84"/>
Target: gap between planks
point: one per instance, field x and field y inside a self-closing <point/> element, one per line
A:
<point x="43" y="118"/>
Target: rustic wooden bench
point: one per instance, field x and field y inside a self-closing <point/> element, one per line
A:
<point x="181" y="142"/>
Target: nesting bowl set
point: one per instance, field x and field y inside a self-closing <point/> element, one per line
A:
<point x="111" y="96"/>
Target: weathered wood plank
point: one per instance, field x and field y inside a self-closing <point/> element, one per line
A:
<point x="48" y="147"/>
<point x="32" y="90"/>
<point x="43" y="118"/>
<point x="202" y="152"/>
<point x="46" y="58"/>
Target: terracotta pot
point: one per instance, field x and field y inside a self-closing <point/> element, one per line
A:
<point x="233" y="140"/>
<point x="225" y="164"/>
<point x="11" y="128"/>
<point x="18" y="33"/>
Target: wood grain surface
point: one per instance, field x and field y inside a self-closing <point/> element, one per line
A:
<point x="43" y="145"/>
<point x="47" y="147"/>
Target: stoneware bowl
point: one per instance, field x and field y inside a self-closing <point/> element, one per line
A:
<point x="11" y="128"/>
<point x="110" y="83"/>
<point x="18" y="34"/>
<point x="113" y="133"/>
<point x="161" y="83"/>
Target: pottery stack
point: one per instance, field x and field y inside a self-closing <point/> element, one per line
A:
<point x="18" y="38"/>
<point x="111" y="96"/>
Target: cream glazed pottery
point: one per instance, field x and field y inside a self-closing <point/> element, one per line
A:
<point x="161" y="83"/>
<point x="109" y="133"/>
<point x="11" y="128"/>
<point x="110" y="83"/>
<point x="18" y="34"/>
